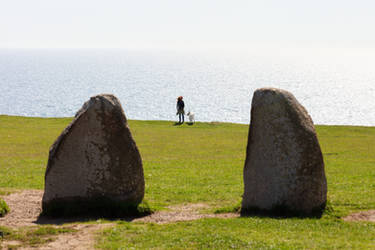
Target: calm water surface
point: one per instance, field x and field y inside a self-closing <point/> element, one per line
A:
<point x="216" y="87"/>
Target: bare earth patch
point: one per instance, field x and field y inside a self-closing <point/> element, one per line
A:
<point x="11" y="244"/>
<point x="83" y="239"/>
<point x="362" y="216"/>
<point x="25" y="208"/>
<point x="185" y="212"/>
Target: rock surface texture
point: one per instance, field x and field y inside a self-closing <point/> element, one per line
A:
<point x="284" y="168"/>
<point x="94" y="162"/>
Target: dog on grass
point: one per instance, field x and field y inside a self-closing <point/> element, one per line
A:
<point x="191" y="117"/>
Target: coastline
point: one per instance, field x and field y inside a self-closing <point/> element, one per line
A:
<point x="173" y="121"/>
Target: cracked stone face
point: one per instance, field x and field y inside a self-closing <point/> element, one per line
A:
<point x="284" y="165"/>
<point x="95" y="157"/>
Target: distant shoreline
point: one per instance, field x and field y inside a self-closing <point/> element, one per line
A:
<point x="172" y="121"/>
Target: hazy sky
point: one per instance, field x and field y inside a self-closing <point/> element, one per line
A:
<point x="187" y="24"/>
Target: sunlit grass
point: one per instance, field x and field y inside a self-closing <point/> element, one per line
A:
<point x="204" y="163"/>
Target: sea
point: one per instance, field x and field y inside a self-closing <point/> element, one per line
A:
<point x="336" y="89"/>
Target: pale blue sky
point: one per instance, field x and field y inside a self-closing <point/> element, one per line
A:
<point x="187" y="24"/>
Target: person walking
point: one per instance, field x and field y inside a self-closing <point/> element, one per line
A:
<point x="180" y="109"/>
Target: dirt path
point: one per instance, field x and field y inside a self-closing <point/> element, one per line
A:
<point x="26" y="206"/>
<point x="361" y="216"/>
<point x="185" y="212"/>
<point x="83" y="239"/>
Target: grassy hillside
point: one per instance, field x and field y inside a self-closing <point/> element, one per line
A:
<point x="203" y="163"/>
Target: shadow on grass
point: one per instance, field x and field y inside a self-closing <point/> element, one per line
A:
<point x="60" y="212"/>
<point x="180" y="123"/>
<point x="282" y="212"/>
<point x="49" y="220"/>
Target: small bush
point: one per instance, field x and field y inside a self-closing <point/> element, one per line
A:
<point x="4" y="209"/>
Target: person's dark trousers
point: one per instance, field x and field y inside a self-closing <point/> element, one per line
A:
<point x="181" y="117"/>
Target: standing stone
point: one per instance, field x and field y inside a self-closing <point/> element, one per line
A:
<point x="94" y="164"/>
<point x="284" y="168"/>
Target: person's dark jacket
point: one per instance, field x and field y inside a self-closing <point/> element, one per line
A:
<point x="180" y="104"/>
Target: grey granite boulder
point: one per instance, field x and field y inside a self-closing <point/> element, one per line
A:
<point x="284" y="168"/>
<point x="94" y="166"/>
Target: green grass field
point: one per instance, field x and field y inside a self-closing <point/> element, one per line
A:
<point x="203" y="163"/>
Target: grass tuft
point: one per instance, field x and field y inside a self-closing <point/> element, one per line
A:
<point x="4" y="209"/>
<point x="229" y="209"/>
<point x="49" y="230"/>
<point x="4" y="231"/>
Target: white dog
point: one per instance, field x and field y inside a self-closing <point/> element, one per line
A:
<point x="191" y="117"/>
